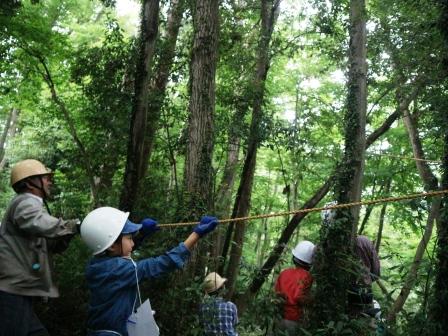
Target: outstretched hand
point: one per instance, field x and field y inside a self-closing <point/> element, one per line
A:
<point x="149" y="226"/>
<point x="206" y="225"/>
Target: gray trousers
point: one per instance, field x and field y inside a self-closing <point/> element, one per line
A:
<point x="17" y="317"/>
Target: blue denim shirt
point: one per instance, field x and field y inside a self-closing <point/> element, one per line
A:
<point x="113" y="286"/>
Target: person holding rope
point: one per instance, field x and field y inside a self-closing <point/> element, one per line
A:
<point x="360" y="297"/>
<point x="293" y="285"/>
<point x="112" y="275"/>
<point x="29" y="235"/>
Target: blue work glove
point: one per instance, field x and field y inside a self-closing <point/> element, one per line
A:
<point x="149" y="226"/>
<point x="207" y="224"/>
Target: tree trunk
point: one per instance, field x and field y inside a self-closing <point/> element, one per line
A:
<point x="157" y="86"/>
<point x="439" y="307"/>
<point x="198" y="162"/>
<point x="223" y="199"/>
<point x="136" y="149"/>
<point x="224" y="194"/>
<point x="428" y="178"/>
<point x="269" y="13"/>
<point x="355" y="119"/>
<point x="365" y="219"/>
<point x="430" y="183"/>
<point x="369" y="208"/>
<point x="411" y="276"/>
<point x="262" y="231"/>
<point x="382" y="217"/>
<point x="8" y="132"/>
<point x="337" y="241"/>
<point x="264" y="244"/>
<point x="174" y="182"/>
<point x="48" y="78"/>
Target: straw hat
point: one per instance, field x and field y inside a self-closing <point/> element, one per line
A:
<point x="212" y="282"/>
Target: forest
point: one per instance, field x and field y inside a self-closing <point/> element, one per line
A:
<point x="251" y="111"/>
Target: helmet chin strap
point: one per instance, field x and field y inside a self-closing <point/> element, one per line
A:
<point x="41" y="188"/>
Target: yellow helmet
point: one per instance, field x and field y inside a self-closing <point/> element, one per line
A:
<point x="212" y="282"/>
<point x="27" y="168"/>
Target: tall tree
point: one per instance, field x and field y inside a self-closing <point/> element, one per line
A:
<point x="269" y="12"/>
<point x="157" y="86"/>
<point x="198" y="161"/>
<point x="136" y="154"/>
<point x="439" y="307"/>
<point x="8" y="131"/>
<point x="430" y="183"/>
<point x="336" y="252"/>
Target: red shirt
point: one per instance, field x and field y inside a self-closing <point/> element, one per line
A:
<point x="293" y="284"/>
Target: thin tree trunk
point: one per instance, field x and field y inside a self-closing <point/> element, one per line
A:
<point x="263" y="229"/>
<point x="428" y="178"/>
<point x="157" y="86"/>
<point x="379" y="235"/>
<point x="223" y="199"/>
<point x="224" y="194"/>
<point x="369" y="209"/>
<point x="269" y="13"/>
<point x="136" y="149"/>
<point x="265" y="243"/>
<point x="430" y="183"/>
<point x="258" y="92"/>
<point x="8" y="132"/>
<point x="411" y="276"/>
<point x="174" y="183"/>
<point x="46" y="74"/>
<point x="365" y="219"/>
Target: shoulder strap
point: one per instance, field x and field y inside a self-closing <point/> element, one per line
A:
<point x="138" y="296"/>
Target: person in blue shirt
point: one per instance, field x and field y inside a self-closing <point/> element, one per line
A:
<point x="218" y="316"/>
<point x="112" y="274"/>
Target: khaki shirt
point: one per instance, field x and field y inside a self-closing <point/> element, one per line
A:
<point x="24" y="230"/>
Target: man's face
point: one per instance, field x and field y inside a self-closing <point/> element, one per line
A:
<point x="44" y="184"/>
<point x="47" y="183"/>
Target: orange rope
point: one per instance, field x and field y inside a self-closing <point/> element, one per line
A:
<point x="404" y="157"/>
<point x="336" y="206"/>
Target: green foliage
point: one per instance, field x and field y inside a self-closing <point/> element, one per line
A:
<point x="346" y="326"/>
<point x="91" y="61"/>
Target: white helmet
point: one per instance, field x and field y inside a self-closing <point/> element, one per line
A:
<point x="328" y="215"/>
<point x="304" y="251"/>
<point x="101" y="228"/>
